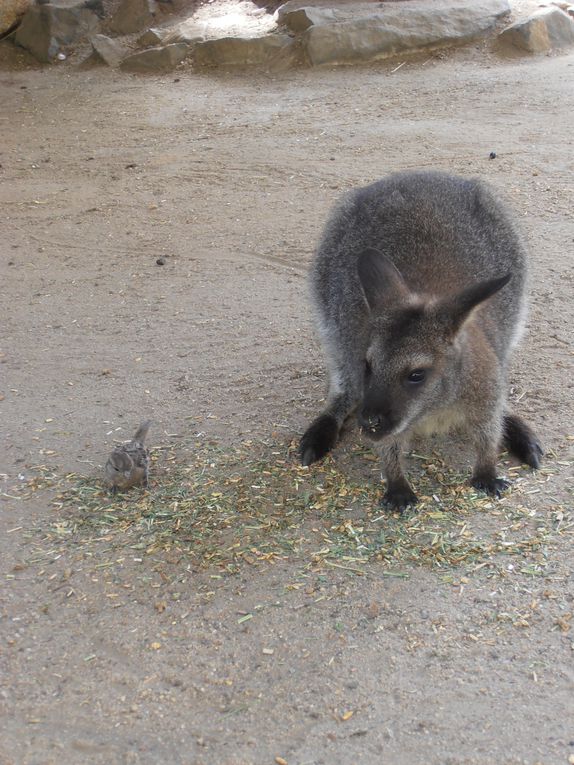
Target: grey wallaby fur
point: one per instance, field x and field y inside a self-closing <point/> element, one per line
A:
<point x="419" y="287"/>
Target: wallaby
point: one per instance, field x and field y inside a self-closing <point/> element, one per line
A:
<point x="419" y="286"/>
<point x="128" y="464"/>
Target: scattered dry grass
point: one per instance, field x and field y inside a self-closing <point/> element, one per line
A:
<point x="223" y="508"/>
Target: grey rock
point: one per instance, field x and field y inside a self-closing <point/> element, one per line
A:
<point x="151" y="37"/>
<point x="133" y="15"/>
<point x="186" y="31"/>
<point x="47" y="28"/>
<point x="160" y="59"/>
<point x="297" y="20"/>
<point x="246" y="51"/>
<point x="568" y="7"/>
<point x="11" y="11"/>
<point x="389" y="32"/>
<point x="541" y="32"/>
<point x="110" y="51"/>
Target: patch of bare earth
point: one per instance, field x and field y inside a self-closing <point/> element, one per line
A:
<point x="245" y="610"/>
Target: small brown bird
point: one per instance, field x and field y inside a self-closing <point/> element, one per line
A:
<point x="128" y="464"/>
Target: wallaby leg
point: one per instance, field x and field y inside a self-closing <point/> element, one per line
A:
<point x="346" y="369"/>
<point x="521" y="441"/>
<point x="321" y="436"/>
<point x="398" y="495"/>
<point x="486" y="441"/>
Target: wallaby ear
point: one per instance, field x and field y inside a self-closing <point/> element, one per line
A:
<point x="381" y="279"/>
<point x="456" y="310"/>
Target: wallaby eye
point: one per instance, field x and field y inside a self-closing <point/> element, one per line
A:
<point x="368" y="368"/>
<point x="416" y="377"/>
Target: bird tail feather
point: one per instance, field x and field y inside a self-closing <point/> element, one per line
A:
<point x="141" y="432"/>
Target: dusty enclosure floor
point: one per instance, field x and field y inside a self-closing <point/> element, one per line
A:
<point x="126" y="638"/>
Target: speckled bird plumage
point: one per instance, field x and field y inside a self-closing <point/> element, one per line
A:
<point x="128" y="464"/>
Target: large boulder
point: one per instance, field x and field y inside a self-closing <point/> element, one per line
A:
<point x="244" y="51"/>
<point x="214" y="22"/>
<point x="297" y="20"/>
<point x="133" y="15"/>
<point x="46" y="28"/>
<point x="108" y="50"/>
<point x="188" y="31"/>
<point x="160" y="59"/>
<point x="405" y="28"/>
<point x="541" y="32"/>
<point x="11" y="11"/>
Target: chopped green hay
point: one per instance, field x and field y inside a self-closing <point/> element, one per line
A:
<point x="224" y="508"/>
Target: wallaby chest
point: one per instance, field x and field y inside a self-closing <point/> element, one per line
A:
<point x="441" y="421"/>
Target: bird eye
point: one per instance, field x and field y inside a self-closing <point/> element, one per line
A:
<point x="416" y="377"/>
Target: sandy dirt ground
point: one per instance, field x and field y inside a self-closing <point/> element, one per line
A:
<point x="131" y="655"/>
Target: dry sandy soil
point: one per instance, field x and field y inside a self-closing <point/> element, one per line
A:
<point x="114" y="652"/>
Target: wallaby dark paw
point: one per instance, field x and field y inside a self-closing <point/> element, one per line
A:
<point x="398" y="499"/>
<point x="521" y="441"/>
<point x="532" y="455"/>
<point x="319" y="438"/>
<point x="490" y="485"/>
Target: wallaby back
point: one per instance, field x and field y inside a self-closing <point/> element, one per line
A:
<point x="419" y="292"/>
<point x="442" y="232"/>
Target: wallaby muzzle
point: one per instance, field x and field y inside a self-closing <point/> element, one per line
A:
<point x="376" y="422"/>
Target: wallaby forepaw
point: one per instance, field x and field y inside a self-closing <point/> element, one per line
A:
<point x="319" y="438"/>
<point x="520" y="440"/>
<point x="399" y="499"/>
<point x="490" y="485"/>
<point x="533" y="454"/>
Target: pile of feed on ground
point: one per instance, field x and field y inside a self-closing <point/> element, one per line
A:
<point x="222" y="508"/>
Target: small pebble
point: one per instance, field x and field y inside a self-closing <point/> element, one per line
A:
<point x="160" y="261"/>
<point x="492" y="155"/>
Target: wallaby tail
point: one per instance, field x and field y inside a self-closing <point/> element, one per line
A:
<point x="519" y="439"/>
<point x="141" y="432"/>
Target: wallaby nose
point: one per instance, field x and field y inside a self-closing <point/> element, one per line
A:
<point x="374" y="423"/>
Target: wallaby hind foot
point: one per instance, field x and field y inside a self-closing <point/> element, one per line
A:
<point x="489" y="484"/>
<point x="521" y="441"/>
<point x="319" y="438"/>
<point x="399" y="497"/>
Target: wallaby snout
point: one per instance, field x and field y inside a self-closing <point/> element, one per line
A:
<point x="381" y="413"/>
<point x="419" y="290"/>
<point x="376" y="423"/>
